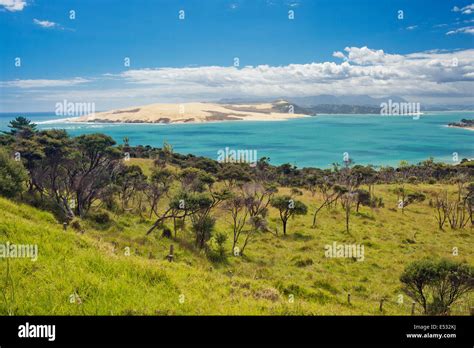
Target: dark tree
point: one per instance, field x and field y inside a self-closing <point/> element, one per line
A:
<point x="95" y="162"/>
<point x="130" y="180"/>
<point x="436" y="285"/>
<point x="21" y="126"/>
<point x="158" y="185"/>
<point x="12" y="175"/>
<point x="287" y="208"/>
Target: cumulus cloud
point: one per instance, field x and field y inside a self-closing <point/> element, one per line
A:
<point x="469" y="9"/>
<point x="339" y="54"/>
<point x="362" y="70"/>
<point x="13" y="5"/>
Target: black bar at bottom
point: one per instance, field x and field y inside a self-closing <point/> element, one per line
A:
<point x="329" y="330"/>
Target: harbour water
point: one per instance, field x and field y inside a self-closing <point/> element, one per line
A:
<point x="316" y="141"/>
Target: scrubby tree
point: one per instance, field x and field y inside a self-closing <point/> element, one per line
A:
<point x="237" y="208"/>
<point x="287" y="208"/>
<point x="95" y="161"/>
<point x="195" y="180"/>
<point x="349" y="180"/>
<point x="21" y="125"/>
<point x="130" y="180"/>
<point x="456" y="211"/>
<point x="437" y="284"/>
<point x="363" y="197"/>
<point x="232" y="174"/>
<point x="198" y="206"/>
<point x="470" y="202"/>
<point x="330" y="193"/>
<point x="159" y="184"/>
<point x="164" y="155"/>
<point x="441" y="204"/>
<point x="12" y="175"/>
<point x="50" y="174"/>
<point x="203" y="227"/>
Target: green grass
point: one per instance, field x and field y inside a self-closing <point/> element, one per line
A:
<point x="279" y="274"/>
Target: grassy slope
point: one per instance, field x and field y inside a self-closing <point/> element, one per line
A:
<point x="111" y="283"/>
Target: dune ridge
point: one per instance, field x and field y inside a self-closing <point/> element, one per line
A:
<point x="196" y="113"/>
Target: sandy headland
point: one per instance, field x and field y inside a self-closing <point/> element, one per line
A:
<point x="196" y="113"/>
<point x="464" y="123"/>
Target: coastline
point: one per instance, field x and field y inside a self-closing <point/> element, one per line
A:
<point x="194" y="113"/>
<point x="77" y="120"/>
<point x="466" y="128"/>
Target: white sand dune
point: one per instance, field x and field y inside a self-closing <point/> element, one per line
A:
<point x="194" y="113"/>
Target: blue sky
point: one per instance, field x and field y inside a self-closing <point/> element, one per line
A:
<point x="192" y="59"/>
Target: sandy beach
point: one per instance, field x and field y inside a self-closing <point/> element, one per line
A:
<point x="194" y="113"/>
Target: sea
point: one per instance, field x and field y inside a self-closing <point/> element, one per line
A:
<point x="316" y="141"/>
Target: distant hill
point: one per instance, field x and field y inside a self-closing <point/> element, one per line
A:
<point x="324" y="99"/>
<point x="344" y="109"/>
<point x="362" y="100"/>
<point x="326" y="104"/>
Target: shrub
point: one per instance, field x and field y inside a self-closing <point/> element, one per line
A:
<point x="304" y="263"/>
<point x="166" y="232"/>
<point x="220" y="241"/>
<point x="12" y="176"/>
<point x="416" y="197"/>
<point x="101" y="217"/>
<point x="437" y="284"/>
<point x="217" y="253"/>
<point x="412" y="179"/>
<point x="76" y="224"/>
<point x="267" y="294"/>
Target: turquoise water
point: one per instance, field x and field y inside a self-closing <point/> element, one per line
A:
<point x="315" y="141"/>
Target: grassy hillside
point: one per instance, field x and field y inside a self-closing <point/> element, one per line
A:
<point x="278" y="275"/>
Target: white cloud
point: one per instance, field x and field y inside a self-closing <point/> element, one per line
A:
<point x="464" y="10"/>
<point x="464" y="30"/>
<point x="13" y="5"/>
<point x="45" y="24"/>
<point x="39" y="83"/>
<point x="364" y="71"/>
<point x="418" y="76"/>
<point x="412" y="27"/>
<point x="339" y="54"/>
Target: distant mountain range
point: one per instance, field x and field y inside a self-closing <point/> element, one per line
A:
<point x="343" y="109"/>
<point x="362" y="100"/>
<point x="324" y="99"/>
<point x="345" y="104"/>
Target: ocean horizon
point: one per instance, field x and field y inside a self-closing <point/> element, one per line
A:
<point x="316" y="141"/>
